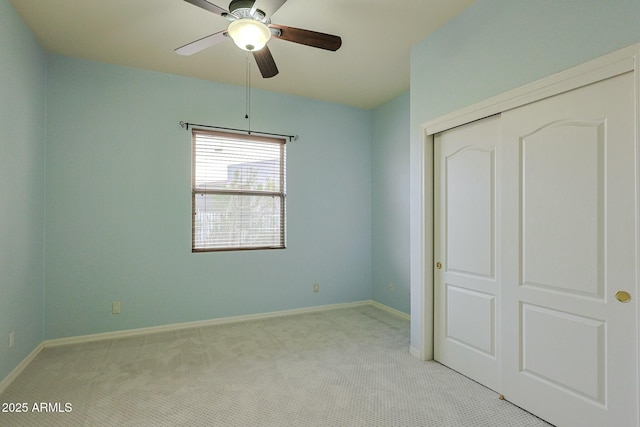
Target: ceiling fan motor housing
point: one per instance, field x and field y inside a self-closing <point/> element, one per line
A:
<point x="240" y="4"/>
<point x="242" y="9"/>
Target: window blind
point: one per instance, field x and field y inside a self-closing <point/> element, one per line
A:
<point x="238" y="191"/>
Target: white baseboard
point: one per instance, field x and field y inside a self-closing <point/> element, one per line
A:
<point x="186" y="325"/>
<point x="200" y="323"/>
<point x="21" y="366"/>
<point x="415" y="352"/>
<point x="390" y="310"/>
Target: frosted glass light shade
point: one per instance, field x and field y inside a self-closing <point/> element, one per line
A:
<point x="249" y="34"/>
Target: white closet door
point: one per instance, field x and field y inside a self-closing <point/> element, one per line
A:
<point x="569" y="231"/>
<point x="467" y="275"/>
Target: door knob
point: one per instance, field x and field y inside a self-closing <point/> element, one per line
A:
<point x="438" y="265"/>
<point x="623" y="296"/>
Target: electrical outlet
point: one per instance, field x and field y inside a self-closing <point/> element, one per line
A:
<point x="316" y="287"/>
<point x="11" y="339"/>
<point x="115" y="307"/>
<point x="391" y="287"/>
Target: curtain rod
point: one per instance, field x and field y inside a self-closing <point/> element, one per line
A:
<point x="185" y="126"/>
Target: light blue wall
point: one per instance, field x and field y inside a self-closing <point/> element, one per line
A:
<point x="390" y="203"/>
<point x="492" y="47"/>
<point x="22" y="128"/>
<point x="118" y="202"/>
<point x="117" y="175"/>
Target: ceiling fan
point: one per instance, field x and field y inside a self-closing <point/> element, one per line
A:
<point x="250" y="28"/>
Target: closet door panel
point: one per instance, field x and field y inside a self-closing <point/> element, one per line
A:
<point x="569" y="252"/>
<point x="467" y="288"/>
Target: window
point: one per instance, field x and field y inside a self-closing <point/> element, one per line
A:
<point x="238" y="192"/>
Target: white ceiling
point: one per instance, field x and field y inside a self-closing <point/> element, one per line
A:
<point x="370" y="68"/>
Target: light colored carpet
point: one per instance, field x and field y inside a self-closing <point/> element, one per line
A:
<point x="342" y="367"/>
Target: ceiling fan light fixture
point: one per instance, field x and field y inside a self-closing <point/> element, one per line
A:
<point x="249" y="34"/>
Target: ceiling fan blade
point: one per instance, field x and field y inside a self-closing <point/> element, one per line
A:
<point x="204" y="4"/>
<point x="265" y="62"/>
<point x="269" y="7"/>
<point x="203" y="43"/>
<point x="308" y="37"/>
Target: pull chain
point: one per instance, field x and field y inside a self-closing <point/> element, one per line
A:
<point x="248" y="93"/>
